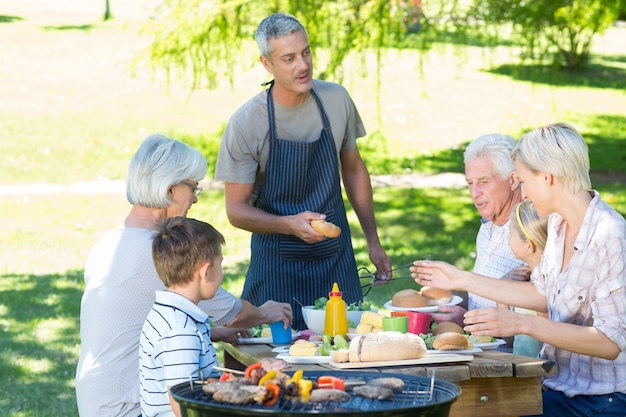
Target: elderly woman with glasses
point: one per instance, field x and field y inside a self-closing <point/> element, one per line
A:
<point x="121" y="280"/>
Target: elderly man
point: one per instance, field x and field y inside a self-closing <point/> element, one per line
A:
<point x="493" y="185"/>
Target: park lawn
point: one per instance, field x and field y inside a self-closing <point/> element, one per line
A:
<point x="77" y="113"/>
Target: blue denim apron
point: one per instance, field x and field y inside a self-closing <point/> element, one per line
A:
<point x="301" y="176"/>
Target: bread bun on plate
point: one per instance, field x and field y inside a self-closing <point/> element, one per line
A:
<point x="408" y="298"/>
<point x="438" y="295"/>
<point x="450" y="341"/>
<point x="326" y="228"/>
<point x="447" y="326"/>
<point x="386" y="346"/>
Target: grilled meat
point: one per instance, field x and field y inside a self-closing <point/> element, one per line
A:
<point x="328" y="395"/>
<point x="274" y="363"/>
<point x="395" y="384"/>
<point x="241" y="394"/>
<point x="374" y="392"/>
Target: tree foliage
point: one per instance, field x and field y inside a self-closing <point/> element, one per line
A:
<point x="561" y="30"/>
<point x="207" y="39"/>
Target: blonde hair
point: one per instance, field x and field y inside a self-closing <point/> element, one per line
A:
<point x="529" y="224"/>
<point x="556" y="149"/>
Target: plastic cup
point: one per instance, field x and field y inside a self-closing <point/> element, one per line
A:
<point x="419" y="323"/>
<point x="280" y="335"/>
<point x="396" y="324"/>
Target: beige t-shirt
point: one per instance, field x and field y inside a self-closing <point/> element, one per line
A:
<point x="245" y="144"/>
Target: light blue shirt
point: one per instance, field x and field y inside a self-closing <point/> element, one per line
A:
<point x="493" y="258"/>
<point x="175" y="344"/>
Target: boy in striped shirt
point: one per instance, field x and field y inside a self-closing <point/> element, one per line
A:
<point x="175" y="340"/>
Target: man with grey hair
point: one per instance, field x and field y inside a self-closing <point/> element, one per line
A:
<point x="283" y="156"/>
<point x="493" y="185"/>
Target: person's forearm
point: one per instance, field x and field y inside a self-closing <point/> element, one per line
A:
<point x="359" y="192"/>
<point x="515" y="293"/>
<point x="585" y="340"/>
<point x="249" y="316"/>
<point x="255" y="220"/>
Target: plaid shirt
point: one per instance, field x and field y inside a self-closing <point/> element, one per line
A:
<point x="589" y="291"/>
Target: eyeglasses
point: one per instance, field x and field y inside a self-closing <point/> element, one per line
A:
<point x="196" y="189"/>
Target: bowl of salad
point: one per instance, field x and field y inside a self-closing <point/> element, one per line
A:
<point x="315" y="315"/>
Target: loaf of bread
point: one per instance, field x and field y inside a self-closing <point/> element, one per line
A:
<point x="409" y="298"/>
<point x="450" y="341"/>
<point x="386" y="346"/>
<point x="437" y="295"/>
<point x="340" y="355"/>
<point x="326" y="228"/>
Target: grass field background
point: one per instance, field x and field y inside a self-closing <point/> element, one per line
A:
<point x="74" y="111"/>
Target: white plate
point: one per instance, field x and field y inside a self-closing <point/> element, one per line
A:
<point x="461" y="352"/>
<point x="262" y="340"/>
<point x="428" y="309"/>
<point x="490" y="345"/>
<point x="311" y="360"/>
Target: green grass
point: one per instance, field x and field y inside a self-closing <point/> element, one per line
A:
<point x="77" y="114"/>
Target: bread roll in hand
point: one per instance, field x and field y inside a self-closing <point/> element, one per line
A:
<point x="326" y="228"/>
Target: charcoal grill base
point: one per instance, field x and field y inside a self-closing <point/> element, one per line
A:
<point x="414" y="401"/>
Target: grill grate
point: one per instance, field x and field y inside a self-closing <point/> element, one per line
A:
<point x="418" y="392"/>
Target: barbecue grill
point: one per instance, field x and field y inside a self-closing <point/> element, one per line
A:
<point x="421" y="397"/>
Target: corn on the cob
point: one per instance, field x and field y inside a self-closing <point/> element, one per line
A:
<point x="266" y="332"/>
<point x="303" y="348"/>
<point x="375" y="319"/>
<point x="363" y="328"/>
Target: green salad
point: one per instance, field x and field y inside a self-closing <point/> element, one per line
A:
<point x="320" y="304"/>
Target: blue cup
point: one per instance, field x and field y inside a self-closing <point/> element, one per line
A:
<point x="280" y="335"/>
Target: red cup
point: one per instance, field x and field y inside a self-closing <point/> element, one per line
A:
<point x="418" y="322"/>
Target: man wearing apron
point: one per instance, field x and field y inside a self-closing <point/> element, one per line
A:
<point x="281" y="157"/>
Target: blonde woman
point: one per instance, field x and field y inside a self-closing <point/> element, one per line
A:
<point x="580" y="282"/>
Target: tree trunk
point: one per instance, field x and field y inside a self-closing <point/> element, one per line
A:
<point x="107" y="12"/>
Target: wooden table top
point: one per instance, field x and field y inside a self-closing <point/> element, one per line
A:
<point x="486" y="364"/>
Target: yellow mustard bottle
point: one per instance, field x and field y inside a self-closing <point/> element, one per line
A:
<point x="336" y="321"/>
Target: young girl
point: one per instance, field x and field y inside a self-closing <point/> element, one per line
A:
<point x="527" y="239"/>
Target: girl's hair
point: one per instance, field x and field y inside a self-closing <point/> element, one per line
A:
<point x="159" y="163"/>
<point x="556" y="149"/>
<point x="529" y="224"/>
<point x="273" y="27"/>
<point x="494" y="147"/>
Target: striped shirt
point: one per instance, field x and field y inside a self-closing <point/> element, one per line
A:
<point x="493" y="258"/>
<point x="175" y="344"/>
<point x="120" y="283"/>
<point x="589" y="291"/>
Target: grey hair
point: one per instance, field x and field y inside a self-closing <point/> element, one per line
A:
<point x="495" y="147"/>
<point x="159" y="163"/>
<point x="556" y="149"/>
<point x="276" y="26"/>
